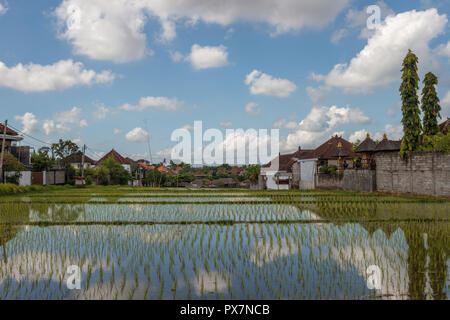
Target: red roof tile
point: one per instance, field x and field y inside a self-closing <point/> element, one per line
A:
<point x="9" y="131"/>
<point x="116" y="156"/>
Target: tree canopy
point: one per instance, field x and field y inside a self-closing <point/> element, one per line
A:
<point x="412" y="127"/>
<point x="430" y="105"/>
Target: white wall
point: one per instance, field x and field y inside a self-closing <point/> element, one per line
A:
<point x="271" y="183"/>
<point x="25" y="177"/>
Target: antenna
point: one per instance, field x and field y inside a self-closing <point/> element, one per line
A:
<point x="148" y="141"/>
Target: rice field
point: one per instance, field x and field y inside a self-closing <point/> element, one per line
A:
<point x="223" y="244"/>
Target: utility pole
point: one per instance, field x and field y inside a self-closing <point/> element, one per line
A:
<point x="148" y="142"/>
<point x="3" y="149"/>
<point x="82" y="164"/>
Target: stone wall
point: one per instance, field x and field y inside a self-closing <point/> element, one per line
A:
<point x="326" y="181"/>
<point x="360" y="180"/>
<point x="55" y="177"/>
<point x="426" y="173"/>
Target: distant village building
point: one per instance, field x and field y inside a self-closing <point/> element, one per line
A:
<point x="298" y="170"/>
<point x="126" y="163"/>
<point x="76" y="160"/>
<point x="12" y="139"/>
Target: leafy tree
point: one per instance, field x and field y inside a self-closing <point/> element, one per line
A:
<point x="64" y="148"/>
<point x="11" y="164"/>
<point x="154" y="178"/>
<point x="111" y="172"/>
<point x="430" y="105"/>
<point x="410" y="105"/>
<point x="41" y="160"/>
<point x="437" y="142"/>
<point x="253" y="174"/>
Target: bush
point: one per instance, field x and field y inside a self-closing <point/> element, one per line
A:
<point x="9" y="189"/>
<point x="328" y="169"/>
<point x="438" y="142"/>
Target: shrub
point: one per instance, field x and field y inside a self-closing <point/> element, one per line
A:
<point x="438" y="142"/>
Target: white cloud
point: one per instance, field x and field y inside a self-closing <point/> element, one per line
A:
<point x="251" y="108"/>
<point x="114" y="30"/>
<point x="62" y="75"/>
<point x="64" y="121"/>
<point x="444" y="50"/>
<point x="445" y="106"/>
<point x="207" y="57"/>
<point x="261" y="83"/>
<point x="379" y="63"/>
<point x="393" y="132"/>
<point x="226" y="124"/>
<point x="357" y="19"/>
<point x="117" y="131"/>
<point x="153" y="102"/>
<point x="49" y="127"/>
<point x="358" y="135"/>
<point x="176" y="56"/>
<point x="104" y="30"/>
<point x="337" y="35"/>
<point x="137" y="135"/>
<point x="29" y="122"/>
<point x="3" y="9"/>
<point x="320" y="123"/>
<point x="282" y="123"/>
<point x="101" y="112"/>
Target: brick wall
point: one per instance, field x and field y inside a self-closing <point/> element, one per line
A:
<point x="426" y="172"/>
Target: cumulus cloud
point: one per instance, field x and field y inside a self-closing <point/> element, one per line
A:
<point x="153" y="102"/>
<point x="445" y="105"/>
<point x="379" y="63"/>
<point x="393" y="132"/>
<point x="64" y="121"/>
<point x="251" y="108"/>
<point x="104" y="30"/>
<point x="358" y="136"/>
<point x="3" y="9"/>
<point x="114" y="30"/>
<point x="137" y="135"/>
<point x="207" y="57"/>
<point x="444" y="50"/>
<point x="320" y="123"/>
<point x="261" y="83"/>
<point x="62" y="75"/>
<point x="29" y="122"/>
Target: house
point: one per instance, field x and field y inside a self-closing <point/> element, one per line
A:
<point x="163" y="169"/>
<point x="444" y="127"/>
<point x="126" y="163"/>
<point x="76" y="160"/>
<point x="298" y="170"/>
<point x="237" y="171"/>
<point x="12" y="139"/>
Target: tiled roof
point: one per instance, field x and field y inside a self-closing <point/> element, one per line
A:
<point x="9" y="131"/>
<point x="444" y="126"/>
<point x="77" y="158"/>
<point x="116" y="156"/>
<point x="368" y="145"/>
<point x="388" y="145"/>
<point x="328" y="149"/>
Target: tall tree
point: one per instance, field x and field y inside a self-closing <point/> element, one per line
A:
<point x="410" y="105"/>
<point x="64" y="148"/>
<point x="430" y="105"/>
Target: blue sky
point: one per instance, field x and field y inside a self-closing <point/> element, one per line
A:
<point x="309" y="68"/>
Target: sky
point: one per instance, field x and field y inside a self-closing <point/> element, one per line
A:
<point x="111" y="73"/>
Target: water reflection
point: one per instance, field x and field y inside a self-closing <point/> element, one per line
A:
<point x="275" y="261"/>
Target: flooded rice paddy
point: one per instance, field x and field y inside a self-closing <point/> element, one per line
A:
<point x="238" y="244"/>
